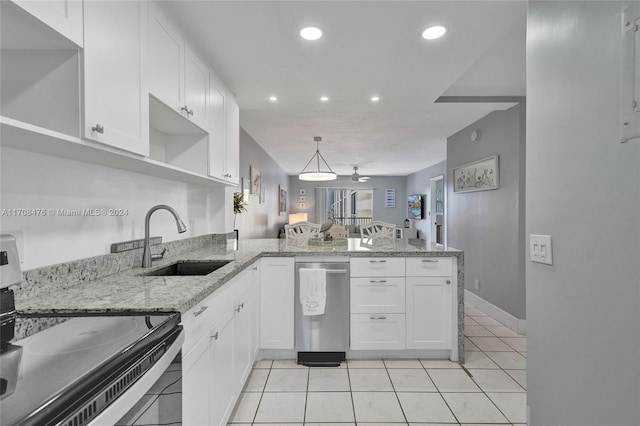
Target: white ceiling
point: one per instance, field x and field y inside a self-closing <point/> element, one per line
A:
<point x="368" y="48"/>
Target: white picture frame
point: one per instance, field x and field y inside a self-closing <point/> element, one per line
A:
<point x="480" y="175"/>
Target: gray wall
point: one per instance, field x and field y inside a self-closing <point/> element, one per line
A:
<point x="489" y="225"/>
<point x="420" y="183"/>
<point x="583" y="189"/>
<point x="260" y="220"/>
<point x="379" y="183"/>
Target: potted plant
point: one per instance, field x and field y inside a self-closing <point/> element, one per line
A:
<point x="238" y="207"/>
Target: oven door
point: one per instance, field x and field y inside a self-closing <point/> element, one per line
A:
<point x="155" y="398"/>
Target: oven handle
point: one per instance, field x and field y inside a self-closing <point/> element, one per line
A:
<point x="127" y="400"/>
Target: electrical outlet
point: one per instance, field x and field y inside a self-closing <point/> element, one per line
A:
<point x="476" y="284"/>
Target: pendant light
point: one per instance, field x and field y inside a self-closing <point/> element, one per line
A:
<point x="314" y="173"/>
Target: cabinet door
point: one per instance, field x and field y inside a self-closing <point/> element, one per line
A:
<point x="64" y="16"/>
<point x="223" y="385"/>
<point x="277" y="303"/>
<point x="196" y="379"/>
<point x="166" y="61"/>
<point x="429" y="316"/>
<point x="218" y="129"/>
<point x="116" y="105"/>
<point x="233" y="140"/>
<point x="242" y="337"/>
<point x="196" y="89"/>
<point x="254" y="311"/>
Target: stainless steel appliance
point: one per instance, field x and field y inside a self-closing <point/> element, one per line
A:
<point x="322" y="340"/>
<point x="79" y="369"/>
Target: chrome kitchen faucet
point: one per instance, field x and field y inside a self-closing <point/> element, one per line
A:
<point x="147" y="257"/>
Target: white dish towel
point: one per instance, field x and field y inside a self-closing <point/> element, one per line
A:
<point x="313" y="290"/>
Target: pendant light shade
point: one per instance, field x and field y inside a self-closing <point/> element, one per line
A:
<point x="312" y="171"/>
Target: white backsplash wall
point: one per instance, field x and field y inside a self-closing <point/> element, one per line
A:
<point x="37" y="181"/>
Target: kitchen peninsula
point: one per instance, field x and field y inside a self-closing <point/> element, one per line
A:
<point x="245" y="308"/>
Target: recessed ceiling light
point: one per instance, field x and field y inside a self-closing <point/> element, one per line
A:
<point x="311" y="33"/>
<point x="434" y="32"/>
<point x="375" y="98"/>
<point x="324" y="98"/>
<point x="273" y="98"/>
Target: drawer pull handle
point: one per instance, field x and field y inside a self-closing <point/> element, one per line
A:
<point x="377" y="281"/>
<point x="201" y="310"/>
<point x="378" y="318"/>
<point x="215" y="336"/>
<point x="377" y="261"/>
<point x="430" y="260"/>
<point x="239" y="307"/>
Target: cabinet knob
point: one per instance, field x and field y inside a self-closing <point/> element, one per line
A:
<point x="215" y="336"/>
<point x="189" y="111"/>
<point x="448" y="282"/>
<point x="185" y="109"/>
<point x="98" y="129"/>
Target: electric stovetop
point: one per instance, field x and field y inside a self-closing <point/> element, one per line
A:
<point x="50" y="360"/>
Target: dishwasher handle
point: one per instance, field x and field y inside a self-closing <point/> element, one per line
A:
<point x="337" y="271"/>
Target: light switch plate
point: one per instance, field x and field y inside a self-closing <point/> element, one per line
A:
<point x="540" y="249"/>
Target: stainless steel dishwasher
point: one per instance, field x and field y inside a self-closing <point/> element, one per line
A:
<point x="322" y="340"/>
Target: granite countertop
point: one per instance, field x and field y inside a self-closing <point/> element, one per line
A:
<point x="130" y="292"/>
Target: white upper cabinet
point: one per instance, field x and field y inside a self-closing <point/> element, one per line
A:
<point x="225" y="133"/>
<point x="177" y="77"/>
<point x="115" y="100"/>
<point x="63" y="16"/>
<point x="166" y="64"/>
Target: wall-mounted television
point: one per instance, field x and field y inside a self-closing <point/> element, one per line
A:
<point x="415" y="207"/>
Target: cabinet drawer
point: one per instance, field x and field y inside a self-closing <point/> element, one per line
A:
<point x="377" y="331"/>
<point x="197" y="322"/>
<point x="429" y="266"/>
<point x="377" y="295"/>
<point x="377" y="267"/>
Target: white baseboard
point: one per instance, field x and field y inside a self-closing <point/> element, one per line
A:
<point x="509" y="321"/>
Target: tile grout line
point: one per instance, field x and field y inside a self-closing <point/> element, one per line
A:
<point x="262" y="394"/>
<point x="440" y="393"/>
<point x="353" y="404"/>
<point x="394" y="391"/>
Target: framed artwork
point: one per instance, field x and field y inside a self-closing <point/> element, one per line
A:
<point x="282" y="197"/>
<point x="256" y="182"/>
<point x="262" y="192"/>
<point x="481" y="175"/>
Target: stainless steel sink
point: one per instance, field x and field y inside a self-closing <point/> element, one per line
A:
<point x="188" y="267"/>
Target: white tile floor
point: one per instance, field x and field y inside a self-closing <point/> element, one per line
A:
<point x="490" y="390"/>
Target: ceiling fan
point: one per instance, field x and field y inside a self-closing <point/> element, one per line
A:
<point x="355" y="177"/>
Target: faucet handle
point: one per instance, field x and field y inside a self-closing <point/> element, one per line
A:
<point x="158" y="255"/>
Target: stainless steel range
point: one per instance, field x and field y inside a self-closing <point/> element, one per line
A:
<point x="77" y="369"/>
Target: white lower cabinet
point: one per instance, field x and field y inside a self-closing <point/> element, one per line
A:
<point x="195" y="384"/>
<point x="223" y="357"/>
<point x="216" y="367"/>
<point x="277" y="303"/>
<point x="429" y="318"/>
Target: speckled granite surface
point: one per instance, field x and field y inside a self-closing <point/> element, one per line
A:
<point x="125" y="290"/>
